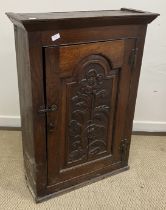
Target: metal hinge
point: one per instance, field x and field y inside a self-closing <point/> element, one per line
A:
<point x="133" y="56"/>
<point x="123" y="149"/>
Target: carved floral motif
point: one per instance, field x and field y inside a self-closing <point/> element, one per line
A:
<point x="89" y="117"/>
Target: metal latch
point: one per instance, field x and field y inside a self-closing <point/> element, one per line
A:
<point x="51" y="108"/>
<point x="133" y="56"/>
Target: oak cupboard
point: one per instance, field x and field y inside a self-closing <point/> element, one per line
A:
<point x="78" y="76"/>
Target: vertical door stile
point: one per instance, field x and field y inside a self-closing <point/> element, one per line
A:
<point x="122" y="103"/>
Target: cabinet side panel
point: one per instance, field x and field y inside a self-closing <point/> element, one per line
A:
<point x="135" y="75"/>
<point x="25" y="96"/>
<point x="36" y="60"/>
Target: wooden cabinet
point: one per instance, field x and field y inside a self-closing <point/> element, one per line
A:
<point x="78" y="75"/>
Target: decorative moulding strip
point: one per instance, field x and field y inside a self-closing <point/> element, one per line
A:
<point x="10" y="121"/>
<point x="149" y="126"/>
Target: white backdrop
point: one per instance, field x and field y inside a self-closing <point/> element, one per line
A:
<point x="150" y="112"/>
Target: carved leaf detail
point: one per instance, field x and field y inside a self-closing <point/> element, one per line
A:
<point x="101" y="93"/>
<point x="102" y="108"/>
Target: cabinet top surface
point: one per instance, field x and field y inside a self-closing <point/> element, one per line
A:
<point x="80" y="14"/>
<point x="113" y="16"/>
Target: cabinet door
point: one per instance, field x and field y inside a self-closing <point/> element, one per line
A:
<point x="89" y="83"/>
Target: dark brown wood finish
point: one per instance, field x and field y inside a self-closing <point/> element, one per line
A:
<point x="82" y="19"/>
<point x="77" y="94"/>
<point x="25" y="95"/>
